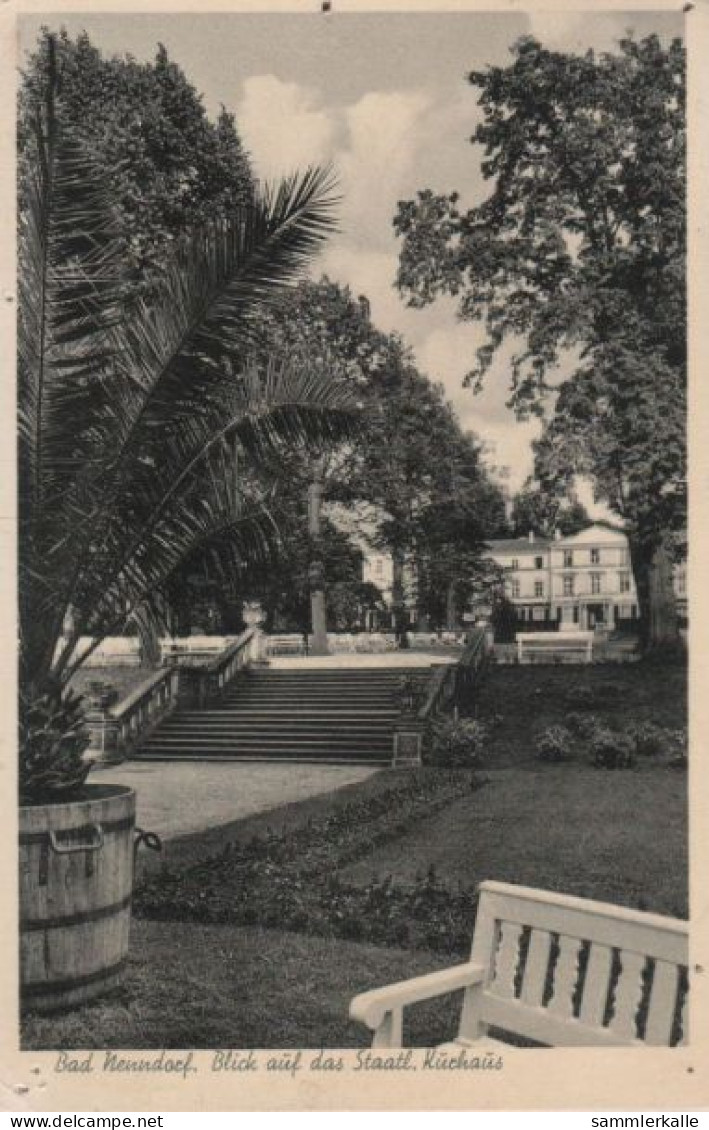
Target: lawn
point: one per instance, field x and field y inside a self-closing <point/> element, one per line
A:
<point x="236" y="987"/>
<point x="615" y="836"/>
<point x="300" y="923"/>
<point x="527" y="698"/>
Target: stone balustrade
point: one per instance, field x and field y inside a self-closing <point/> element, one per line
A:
<point x="117" y="729"/>
<point x="449" y="686"/>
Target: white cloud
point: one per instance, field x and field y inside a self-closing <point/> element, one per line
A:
<point x="385" y="147"/>
<point x="383" y="135"/>
<point x="283" y="127"/>
<point x="576" y="31"/>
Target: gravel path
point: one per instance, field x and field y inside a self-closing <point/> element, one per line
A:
<point x="177" y="798"/>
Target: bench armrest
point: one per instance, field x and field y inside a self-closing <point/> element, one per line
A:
<point x="371" y="1008"/>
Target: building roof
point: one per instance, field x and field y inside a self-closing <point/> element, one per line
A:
<point x="517" y="545"/>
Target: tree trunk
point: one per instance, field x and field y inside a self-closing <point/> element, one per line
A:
<point x="452" y="607"/>
<point x="657" y="606"/>
<point x="397" y="598"/>
<point x="318" y="615"/>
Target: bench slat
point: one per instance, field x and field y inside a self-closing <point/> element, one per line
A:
<point x="662" y="1004"/>
<point x="507" y="959"/>
<point x="535" y="973"/>
<point x="538" y="1024"/>
<point x="565" y="977"/>
<point x="595" y="988"/>
<point x="628" y="993"/>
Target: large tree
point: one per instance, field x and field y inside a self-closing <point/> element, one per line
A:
<point x="168" y="166"/>
<point x="577" y="259"/>
<point x="414" y="485"/>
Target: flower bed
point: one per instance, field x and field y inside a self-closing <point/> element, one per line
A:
<point x="290" y="881"/>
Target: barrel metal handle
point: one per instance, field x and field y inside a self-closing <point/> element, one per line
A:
<point x="149" y="840"/>
<point x="95" y="844"/>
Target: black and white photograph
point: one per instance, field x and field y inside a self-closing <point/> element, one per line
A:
<point x="352" y="542"/>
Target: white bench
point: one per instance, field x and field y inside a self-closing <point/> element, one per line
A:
<point x="571" y="645"/>
<point x="556" y="970"/>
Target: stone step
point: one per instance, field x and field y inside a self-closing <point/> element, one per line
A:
<point x="265" y="740"/>
<point x="318" y="715"/>
<point x="258" y="756"/>
<point x="304" y="713"/>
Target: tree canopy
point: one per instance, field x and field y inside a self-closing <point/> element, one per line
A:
<point x="542" y="512"/>
<point x="577" y="259"/>
<point x="414" y="485"/>
<point x="169" y="168"/>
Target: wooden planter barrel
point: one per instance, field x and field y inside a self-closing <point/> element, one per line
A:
<point x="76" y="884"/>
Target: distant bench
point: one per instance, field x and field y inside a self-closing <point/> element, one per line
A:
<point x="575" y="646"/>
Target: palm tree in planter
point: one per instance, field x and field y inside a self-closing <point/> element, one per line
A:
<point x="142" y="424"/>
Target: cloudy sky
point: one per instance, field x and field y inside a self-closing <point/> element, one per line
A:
<point x="384" y="97"/>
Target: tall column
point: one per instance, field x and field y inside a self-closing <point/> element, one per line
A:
<point x="316" y="574"/>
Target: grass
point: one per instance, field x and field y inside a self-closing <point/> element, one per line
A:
<point x="529" y="698"/>
<point x="616" y="836"/>
<point x="237" y="987"/>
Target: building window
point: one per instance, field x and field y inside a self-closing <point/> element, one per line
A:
<point x="514" y="590"/>
<point x="595" y="583"/>
<point x="568" y="586"/>
<point x="681" y="584"/>
<point x="595" y="557"/>
<point x="568" y="558"/>
<point x="515" y="563"/>
<point x="624" y="582"/>
<point x="538" y="562"/>
<point x="539" y="588"/>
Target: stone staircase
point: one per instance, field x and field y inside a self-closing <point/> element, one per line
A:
<point x="305" y="714"/>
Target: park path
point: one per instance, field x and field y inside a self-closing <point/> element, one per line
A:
<point x="175" y="799"/>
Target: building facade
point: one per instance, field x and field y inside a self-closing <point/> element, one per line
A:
<point x="581" y="581"/>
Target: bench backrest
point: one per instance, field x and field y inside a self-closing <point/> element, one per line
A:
<point x="568" y="971"/>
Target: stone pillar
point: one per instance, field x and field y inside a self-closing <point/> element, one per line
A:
<point x="316" y="573"/>
<point x="104" y="747"/>
<point x="408" y="743"/>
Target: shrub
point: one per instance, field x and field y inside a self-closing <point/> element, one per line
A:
<point x="607" y="691"/>
<point x="649" y="738"/>
<point x="612" y="750"/>
<point x="584" y="726"/>
<point x="580" y="696"/>
<point x="457" y="743"/>
<point x="677" y="748"/>
<point x="554" y="744"/>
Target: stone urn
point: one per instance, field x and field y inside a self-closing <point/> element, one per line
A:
<point x="254" y="617"/>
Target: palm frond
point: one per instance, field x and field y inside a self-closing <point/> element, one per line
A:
<point x="290" y="405"/>
<point x="132" y="412"/>
<point x="69" y="306"/>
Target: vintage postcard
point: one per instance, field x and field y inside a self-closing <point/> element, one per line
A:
<point x="353" y="538"/>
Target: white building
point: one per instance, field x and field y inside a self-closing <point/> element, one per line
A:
<point x="592" y="582"/>
<point x="584" y="580"/>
